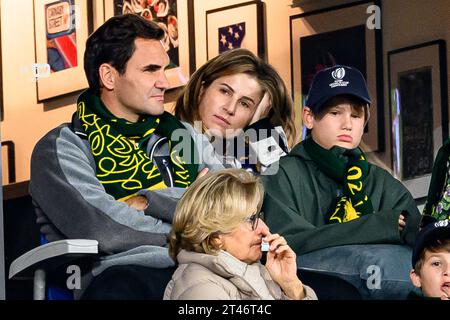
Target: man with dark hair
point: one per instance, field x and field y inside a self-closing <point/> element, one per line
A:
<point x="92" y="178"/>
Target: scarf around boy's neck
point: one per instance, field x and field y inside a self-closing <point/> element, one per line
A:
<point x="122" y="165"/>
<point x="438" y="199"/>
<point x="349" y="168"/>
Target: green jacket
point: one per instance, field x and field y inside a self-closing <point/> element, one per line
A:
<point x="299" y="196"/>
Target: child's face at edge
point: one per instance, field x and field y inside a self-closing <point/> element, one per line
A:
<point x="434" y="277"/>
<point x="342" y="125"/>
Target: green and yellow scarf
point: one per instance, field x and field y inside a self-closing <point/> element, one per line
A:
<point x="349" y="168"/>
<point x="438" y="199"/>
<point x="122" y="165"/>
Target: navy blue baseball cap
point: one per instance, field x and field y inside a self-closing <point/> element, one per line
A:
<point x="334" y="81"/>
<point x="429" y="235"/>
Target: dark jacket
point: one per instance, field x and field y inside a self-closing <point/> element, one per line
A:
<point x="299" y="197"/>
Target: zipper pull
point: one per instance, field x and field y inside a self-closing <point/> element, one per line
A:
<point x="166" y="166"/>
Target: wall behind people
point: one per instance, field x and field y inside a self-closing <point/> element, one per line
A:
<point x="405" y="22"/>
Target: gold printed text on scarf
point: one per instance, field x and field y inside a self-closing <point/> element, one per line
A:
<point x="349" y="168"/>
<point x="354" y="203"/>
<point x="121" y="166"/>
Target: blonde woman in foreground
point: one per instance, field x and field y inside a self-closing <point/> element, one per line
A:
<point x="216" y="240"/>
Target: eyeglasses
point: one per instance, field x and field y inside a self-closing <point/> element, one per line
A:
<point x="253" y="220"/>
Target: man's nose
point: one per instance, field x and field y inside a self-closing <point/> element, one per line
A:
<point x="162" y="82"/>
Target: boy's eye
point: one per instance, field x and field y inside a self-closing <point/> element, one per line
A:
<point x="334" y="113"/>
<point x="356" y="116"/>
<point x="436" y="263"/>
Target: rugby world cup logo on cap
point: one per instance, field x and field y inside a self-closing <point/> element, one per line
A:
<point x="338" y="75"/>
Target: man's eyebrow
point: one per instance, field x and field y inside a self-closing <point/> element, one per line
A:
<point x="152" y="67"/>
<point x="231" y="89"/>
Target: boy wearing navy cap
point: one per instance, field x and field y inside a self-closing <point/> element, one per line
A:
<point x="341" y="214"/>
<point x="431" y="261"/>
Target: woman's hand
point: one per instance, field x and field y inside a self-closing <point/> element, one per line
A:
<point x="263" y="108"/>
<point x="282" y="266"/>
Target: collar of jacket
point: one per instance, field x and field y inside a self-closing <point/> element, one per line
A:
<point x="232" y="269"/>
<point x="299" y="151"/>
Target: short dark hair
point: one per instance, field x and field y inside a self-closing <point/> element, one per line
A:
<point x="113" y="43"/>
<point x="435" y="246"/>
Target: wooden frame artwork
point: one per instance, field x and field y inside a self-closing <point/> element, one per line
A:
<point x="61" y="30"/>
<point x="234" y="26"/>
<point x="339" y="35"/>
<point x="172" y="16"/>
<point x="419" y="119"/>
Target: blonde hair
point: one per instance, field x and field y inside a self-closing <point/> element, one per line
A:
<point x="216" y="203"/>
<point x="234" y="62"/>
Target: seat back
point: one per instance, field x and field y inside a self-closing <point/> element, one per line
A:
<point x="21" y="234"/>
<point x="328" y="287"/>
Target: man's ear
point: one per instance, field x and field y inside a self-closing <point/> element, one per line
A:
<point x="308" y="117"/>
<point x="415" y="278"/>
<point x="107" y="75"/>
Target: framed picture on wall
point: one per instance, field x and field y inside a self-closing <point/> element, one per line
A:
<point x="8" y="162"/>
<point x="235" y="26"/>
<point x="418" y="100"/>
<point x="340" y="35"/>
<point x="1" y="72"/>
<point x="171" y="16"/>
<point x="61" y="30"/>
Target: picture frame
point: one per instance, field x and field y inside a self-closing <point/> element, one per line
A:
<point x="61" y="30"/>
<point x="419" y="120"/>
<point x="172" y="16"/>
<point x="8" y="162"/>
<point x="98" y="13"/>
<point x="235" y="26"/>
<point x="339" y="35"/>
<point x="1" y="72"/>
